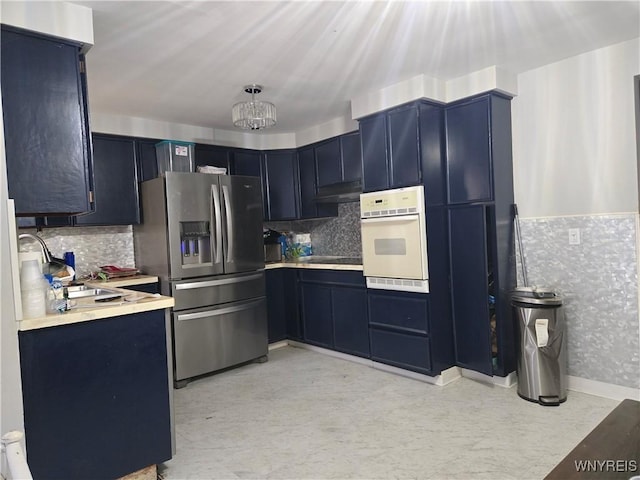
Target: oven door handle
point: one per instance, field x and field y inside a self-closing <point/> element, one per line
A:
<point x="397" y="218"/>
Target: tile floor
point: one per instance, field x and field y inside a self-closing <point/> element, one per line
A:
<point x="306" y="415"/>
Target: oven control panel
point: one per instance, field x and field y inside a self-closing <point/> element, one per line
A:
<point x="399" y="201"/>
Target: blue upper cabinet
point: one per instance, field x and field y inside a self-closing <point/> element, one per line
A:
<point x="339" y="160"/>
<point x="146" y="158"/>
<point x="401" y="147"/>
<point x="432" y="149"/>
<point x="328" y="162"/>
<point x="351" y="157"/>
<point x="47" y="143"/>
<point x="281" y="179"/>
<point x="404" y="147"/>
<point x="373" y="137"/>
<point x="475" y="130"/>
<point x="116" y="182"/>
<point x="308" y="188"/>
<point x="212" y="155"/>
<point x="249" y="163"/>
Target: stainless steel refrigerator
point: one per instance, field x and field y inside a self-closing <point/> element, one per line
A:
<point x="202" y="235"/>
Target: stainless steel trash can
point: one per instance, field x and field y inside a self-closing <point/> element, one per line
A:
<point x="542" y="353"/>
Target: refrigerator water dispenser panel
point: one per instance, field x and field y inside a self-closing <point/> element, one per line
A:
<point x="195" y="242"/>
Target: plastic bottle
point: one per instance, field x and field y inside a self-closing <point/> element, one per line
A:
<point x="70" y="259"/>
<point x="32" y="289"/>
<point x="56" y="303"/>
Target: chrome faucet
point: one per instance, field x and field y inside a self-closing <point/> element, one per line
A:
<point x="45" y="251"/>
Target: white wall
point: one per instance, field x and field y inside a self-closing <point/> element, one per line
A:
<point x="574" y="149"/>
<point x="575" y="167"/>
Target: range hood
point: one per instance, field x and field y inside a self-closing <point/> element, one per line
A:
<point x="340" y="192"/>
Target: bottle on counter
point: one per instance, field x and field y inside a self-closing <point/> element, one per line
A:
<point x="70" y="260"/>
<point x="56" y="302"/>
<point x="33" y="288"/>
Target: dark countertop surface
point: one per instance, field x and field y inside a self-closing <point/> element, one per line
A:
<point x="319" y="261"/>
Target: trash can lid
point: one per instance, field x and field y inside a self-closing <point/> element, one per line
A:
<point x="536" y="296"/>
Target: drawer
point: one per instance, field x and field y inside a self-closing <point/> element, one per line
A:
<point x="411" y="352"/>
<point x="333" y="276"/>
<point x="399" y="311"/>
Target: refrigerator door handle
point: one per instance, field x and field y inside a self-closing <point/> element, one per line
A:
<point x="219" y="311"/>
<point x="229" y="214"/>
<point x="217" y="223"/>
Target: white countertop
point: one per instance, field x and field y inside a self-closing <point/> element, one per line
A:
<point x="136" y="302"/>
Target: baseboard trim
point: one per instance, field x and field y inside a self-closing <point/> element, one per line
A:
<point x="446" y="376"/>
<point x="276" y="345"/>
<point x="506" y="382"/>
<point x="602" y="389"/>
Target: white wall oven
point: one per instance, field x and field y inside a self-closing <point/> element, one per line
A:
<point x="394" y="239"/>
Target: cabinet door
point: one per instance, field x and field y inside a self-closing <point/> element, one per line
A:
<point x="212" y="155"/>
<point x="249" y="163"/>
<point x="432" y="153"/>
<point x="115" y="183"/>
<point x="307" y="176"/>
<point x="46" y="135"/>
<point x="469" y="287"/>
<point x="373" y="136"/>
<point x="328" y="164"/>
<point x="146" y="158"/>
<point x="350" y="320"/>
<point x="316" y="314"/>
<point x="292" y="312"/>
<point x="281" y="182"/>
<point x="351" y="156"/>
<point x="276" y="305"/>
<point x="468" y="151"/>
<point x="404" y="151"/>
<point x="103" y="386"/>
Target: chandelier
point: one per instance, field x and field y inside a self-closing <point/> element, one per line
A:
<point x="253" y="115"/>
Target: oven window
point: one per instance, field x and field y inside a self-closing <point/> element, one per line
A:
<point x="390" y="246"/>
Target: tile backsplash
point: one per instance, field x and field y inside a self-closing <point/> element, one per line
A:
<point x="598" y="280"/>
<point x="92" y="246"/>
<point x="335" y="236"/>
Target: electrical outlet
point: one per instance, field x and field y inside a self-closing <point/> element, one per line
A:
<point x="574" y="236"/>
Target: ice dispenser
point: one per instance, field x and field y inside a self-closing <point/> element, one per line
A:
<point x="195" y="242"/>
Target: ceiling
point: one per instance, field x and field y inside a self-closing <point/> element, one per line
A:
<point x="187" y="62"/>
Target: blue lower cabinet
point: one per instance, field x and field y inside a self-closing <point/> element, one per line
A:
<point x="283" y="319"/>
<point x="317" y="314"/>
<point x="334" y="310"/>
<point x="276" y="305"/>
<point x="350" y="320"/>
<point x="145" y="287"/>
<point x="96" y="397"/>
<point x="399" y="329"/>
<point x="401" y="350"/>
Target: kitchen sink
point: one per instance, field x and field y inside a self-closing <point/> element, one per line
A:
<point x="82" y="291"/>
